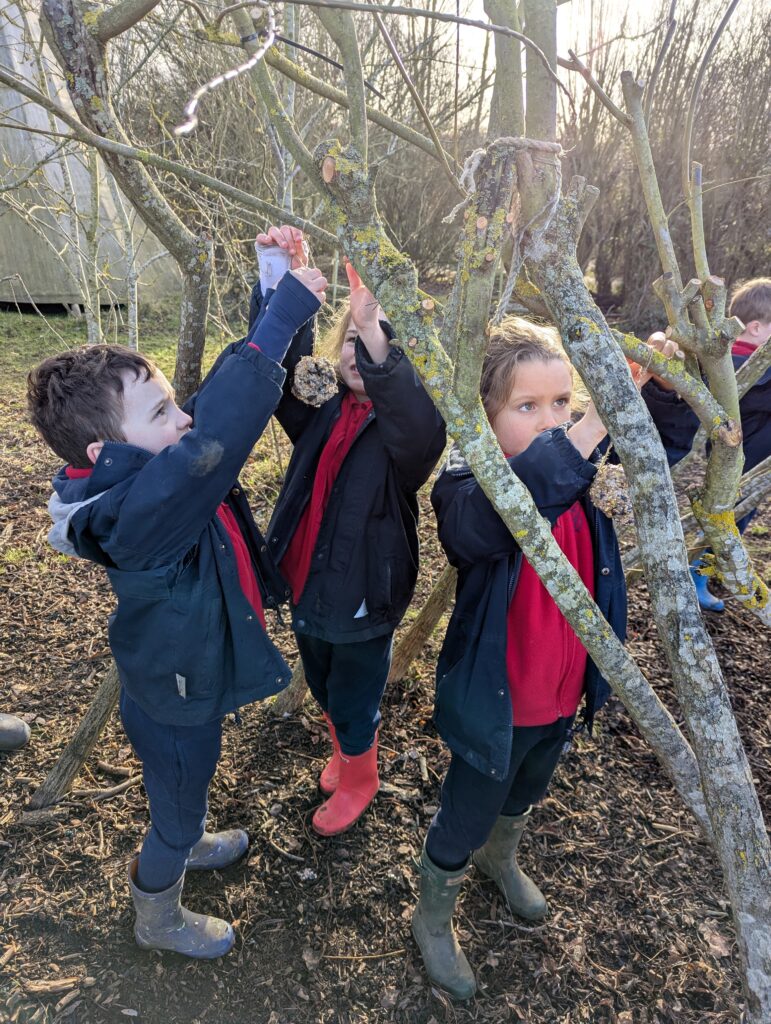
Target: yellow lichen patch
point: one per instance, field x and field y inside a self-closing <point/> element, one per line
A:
<point x="590" y="325"/>
<point x="91" y="18"/>
<point x="215" y="35"/>
<point x="527" y="290"/>
<point x="96" y="103"/>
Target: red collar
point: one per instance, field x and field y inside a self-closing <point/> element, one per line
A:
<point x="743" y="348"/>
<point x="77" y="474"/>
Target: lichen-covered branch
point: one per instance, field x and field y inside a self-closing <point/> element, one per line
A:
<point x="740" y="838"/>
<point x="487" y="218"/>
<point x="393" y="279"/>
<point x="278" y="116"/>
<point x="120" y="17"/>
<point x="757" y="366"/>
<point x="341" y="28"/>
<point x="711" y="415"/>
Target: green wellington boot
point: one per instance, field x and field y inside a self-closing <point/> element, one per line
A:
<point x="445" y="961"/>
<point x="497" y="859"/>
<point x="162" y="923"/>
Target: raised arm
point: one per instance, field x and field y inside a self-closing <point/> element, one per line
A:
<point x="177" y="492"/>
<point x="470" y="530"/>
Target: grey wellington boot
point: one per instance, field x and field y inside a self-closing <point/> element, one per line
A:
<point x="162" y="923"/>
<point x="216" y="850"/>
<point x="498" y="860"/>
<point x="14" y="733"/>
<point x="445" y="961"/>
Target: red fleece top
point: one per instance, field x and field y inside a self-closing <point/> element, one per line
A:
<point x="545" y="660"/>
<point x="246" y="574"/>
<point x="743" y="348"/>
<point x="296" y="563"/>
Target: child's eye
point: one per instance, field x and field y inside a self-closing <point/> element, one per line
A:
<point x="160" y="412"/>
<point x="562" y="402"/>
<point x="527" y="407"/>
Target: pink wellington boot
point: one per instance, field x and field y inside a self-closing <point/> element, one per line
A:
<point x="330" y="776"/>
<point x="355" y="791"/>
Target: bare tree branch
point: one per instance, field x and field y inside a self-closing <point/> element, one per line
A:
<point x="121" y="17"/>
<point x="418" y="102"/>
<point x="144" y="156"/>
<point x="597" y="89"/>
<point x="651" y="86"/>
<point x="694" y="100"/>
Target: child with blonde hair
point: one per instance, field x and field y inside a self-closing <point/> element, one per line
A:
<point x="344" y="529"/>
<point x="512" y="673"/>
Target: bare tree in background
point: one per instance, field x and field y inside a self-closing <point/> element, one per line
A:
<point x="511" y="194"/>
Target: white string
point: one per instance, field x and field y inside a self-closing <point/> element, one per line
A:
<point x="268" y="34"/>
<point x="518" y="255"/>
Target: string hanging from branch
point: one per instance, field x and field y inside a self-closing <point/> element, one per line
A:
<point x="268" y="36"/>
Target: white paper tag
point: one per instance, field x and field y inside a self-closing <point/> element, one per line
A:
<point x="182" y="686"/>
<point x="363" y="611"/>
<point x="273" y="262"/>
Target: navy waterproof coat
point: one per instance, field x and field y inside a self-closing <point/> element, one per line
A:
<point x="188" y="645"/>
<point x="677" y="423"/>
<point x="365" y="562"/>
<point x="473" y="712"/>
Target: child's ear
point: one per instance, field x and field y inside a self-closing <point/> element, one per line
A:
<point x="94" y="450"/>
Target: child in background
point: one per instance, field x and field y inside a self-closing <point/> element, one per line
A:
<point x="512" y="672"/>
<point x="677" y="423"/>
<point x="344" y="529"/>
<point x="150" y="492"/>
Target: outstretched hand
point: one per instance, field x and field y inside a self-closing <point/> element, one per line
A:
<point x="365" y="310"/>
<point x="669" y="349"/>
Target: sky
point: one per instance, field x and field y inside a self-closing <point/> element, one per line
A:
<point x="573" y="22"/>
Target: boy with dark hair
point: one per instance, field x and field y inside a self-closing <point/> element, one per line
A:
<point x="677" y="423"/>
<point x="150" y="492"/>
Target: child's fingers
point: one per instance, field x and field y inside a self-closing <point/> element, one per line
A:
<point x="313" y="280"/>
<point x="354" y="280"/>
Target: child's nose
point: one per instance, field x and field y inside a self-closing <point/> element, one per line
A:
<point x="549" y="419"/>
<point x="184" y="420"/>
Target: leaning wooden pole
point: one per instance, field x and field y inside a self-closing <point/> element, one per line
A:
<point x="59" y="780"/>
<point x="411" y="644"/>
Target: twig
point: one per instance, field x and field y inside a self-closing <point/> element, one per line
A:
<point x="419" y="12"/>
<point x="105" y="794"/>
<point x="418" y="103"/>
<point x="362" y="956"/>
<point x="284" y="853"/>
<point x="697" y="223"/>
<point x="686" y="152"/>
<point x="90" y="138"/>
<point x="289" y="69"/>
<point x="597" y="89"/>
<point x="651" y="86"/>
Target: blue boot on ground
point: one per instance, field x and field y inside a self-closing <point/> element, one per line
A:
<point x="707" y="600"/>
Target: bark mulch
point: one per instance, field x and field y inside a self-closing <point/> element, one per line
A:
<point x="640" y="931"/>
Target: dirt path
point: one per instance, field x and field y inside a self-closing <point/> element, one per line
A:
<point x="639" y="932"/>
